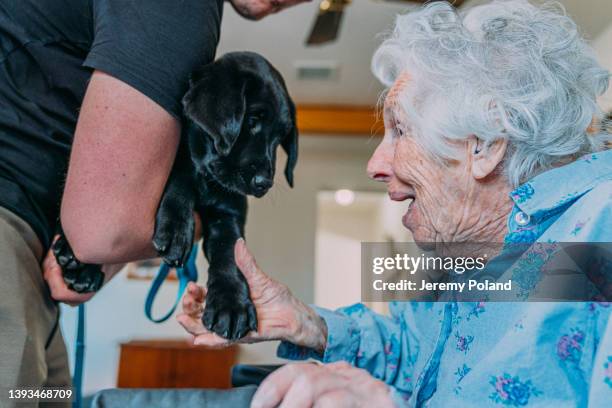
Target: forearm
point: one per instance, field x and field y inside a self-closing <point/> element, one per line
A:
<point x="101" y="241"/>
<point x="357" y="335"/>
<point x="123" y="150"/>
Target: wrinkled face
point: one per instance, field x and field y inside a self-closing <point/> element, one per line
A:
<point x="444" y="202"/>
<point x="439" y="193"/>
<point x="244" y="112"/>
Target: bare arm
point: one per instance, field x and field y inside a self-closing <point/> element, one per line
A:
<point x="123" y="150"/>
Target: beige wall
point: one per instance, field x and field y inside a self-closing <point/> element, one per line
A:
<point x="340" y="231"/>
<point x="603" y="48"/>
<point x="372" y="217"/>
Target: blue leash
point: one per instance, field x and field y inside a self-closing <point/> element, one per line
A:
<point x="186" y="274"/>
<point x="77" y="377"/>
<point x="189" y="273"/>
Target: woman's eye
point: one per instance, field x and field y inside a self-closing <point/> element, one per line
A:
<point x="399" y="131"/>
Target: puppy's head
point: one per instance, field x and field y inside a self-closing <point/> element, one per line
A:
<point x="242" y="105"/>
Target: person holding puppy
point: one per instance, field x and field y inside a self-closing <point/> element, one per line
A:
<point x="488" y="133"/>
<point x="100" y="82"/>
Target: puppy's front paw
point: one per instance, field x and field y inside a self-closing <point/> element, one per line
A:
<point x="173" y="238"/>
<point x="229" y="312"/>
<point x="80" y="277"/>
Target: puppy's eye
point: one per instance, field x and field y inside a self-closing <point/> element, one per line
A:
<point x="254" y="123"/>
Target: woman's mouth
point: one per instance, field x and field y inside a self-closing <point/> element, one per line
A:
<point x="400" y="195"/>
<point x="408" y="218"/>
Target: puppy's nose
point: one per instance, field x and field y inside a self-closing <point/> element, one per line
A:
<point x="261" y="184"/>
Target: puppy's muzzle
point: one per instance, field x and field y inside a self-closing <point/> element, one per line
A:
<point x="260" y="185"/>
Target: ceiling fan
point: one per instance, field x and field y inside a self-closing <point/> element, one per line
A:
<point x="329" y="16"/>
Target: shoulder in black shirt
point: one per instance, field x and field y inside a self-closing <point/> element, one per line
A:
<point x="48" y="50"/>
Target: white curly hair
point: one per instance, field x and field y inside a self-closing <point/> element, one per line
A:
<point x="505" y="69"/>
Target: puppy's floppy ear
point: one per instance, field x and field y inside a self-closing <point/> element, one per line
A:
<point x="290" y="145"/>
<point x="216" y="102"/>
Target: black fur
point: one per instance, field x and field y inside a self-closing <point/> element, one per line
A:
<point x="238" y="111"/>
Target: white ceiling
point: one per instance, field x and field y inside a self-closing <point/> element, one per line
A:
<point x="281" y="37"/>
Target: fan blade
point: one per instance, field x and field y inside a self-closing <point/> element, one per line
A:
<point x="325" y="28"/>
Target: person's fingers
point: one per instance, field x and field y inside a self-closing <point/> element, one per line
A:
<point x="344" y="369"/>
<point x="53" y="276"/>
<point x="192" y="308"/>
<point x="349" y="372"/>
<point x="193" y="300"/>
<point x="193" y="325"/>
<point x="50" y="262"/>
<point x="310" y="386"/>
<point x="202" y="337"/>
<point x="339" y="366"/>
<point x="198" y="292"/>
<point x="211" y="340"/>
<point x="272" y="390"/>
<point x="339" y="398"/>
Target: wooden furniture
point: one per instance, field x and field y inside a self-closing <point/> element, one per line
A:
<point x="173" y="364"/>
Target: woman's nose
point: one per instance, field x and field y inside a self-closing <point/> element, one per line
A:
<point x="379" y="166"/>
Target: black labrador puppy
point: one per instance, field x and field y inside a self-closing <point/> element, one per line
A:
<point x="238" y="111"/>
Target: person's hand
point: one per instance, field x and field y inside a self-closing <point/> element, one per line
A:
<point x="334" y="385"/>
<point x="258" y="9"/>
<point x="280" y="316"/>
<point x="52" y="273"/>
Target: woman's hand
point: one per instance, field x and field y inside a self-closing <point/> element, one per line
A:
<point x="280" y="316"/>
<point x="52" y="273"/>
<point x="334" y="385"/>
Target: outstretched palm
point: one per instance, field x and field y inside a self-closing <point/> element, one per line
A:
<point x="273" y="301"/>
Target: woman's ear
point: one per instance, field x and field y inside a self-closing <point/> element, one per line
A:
<point x="486" y="156"/>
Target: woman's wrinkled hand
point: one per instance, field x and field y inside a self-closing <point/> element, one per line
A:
<point x="280" y="316"/>
<point x="335" y="385"/>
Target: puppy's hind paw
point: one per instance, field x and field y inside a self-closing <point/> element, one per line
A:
<point x="79" y="277"/>
<point x="89" y="279"/>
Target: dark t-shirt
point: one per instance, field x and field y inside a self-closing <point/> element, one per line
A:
<point x="48" y="50"/>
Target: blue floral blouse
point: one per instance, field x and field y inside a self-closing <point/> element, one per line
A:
<point x="468" y="354"/>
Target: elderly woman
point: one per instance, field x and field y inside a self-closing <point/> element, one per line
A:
<point x="488" y="131"/>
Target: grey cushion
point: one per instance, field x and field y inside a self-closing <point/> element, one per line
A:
<point x="172" y="398"/>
